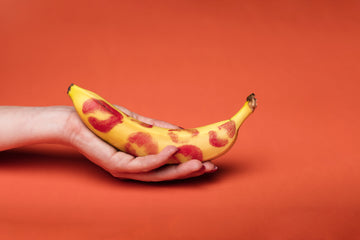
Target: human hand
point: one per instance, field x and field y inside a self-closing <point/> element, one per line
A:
<point x="60" y="124"/>
<point x="123" y="165"/>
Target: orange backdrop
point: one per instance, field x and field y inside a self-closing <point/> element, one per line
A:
<point x="292" y="174"/>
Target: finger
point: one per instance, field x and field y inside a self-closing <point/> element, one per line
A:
<point x="163" y="124"/>
<point x="124" y="110"/>
<point x="100" y="152"/>
<point x="155" y="122"/>
<point x="171" y="172"/>
<point x="129" y="164"/>
<point x="147" y="120"/>
<point x="114" y="161"/>
<point x="210" y="167"/>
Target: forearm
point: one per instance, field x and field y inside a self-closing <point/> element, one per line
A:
<point x="20" y="126"/>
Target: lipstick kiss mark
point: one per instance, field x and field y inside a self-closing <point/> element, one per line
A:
<point x="140" y="144"/>
<point x="173" y="133"/>
<point x="217" y="141"/>
<point x="92" y="105"/>
<point x="188" y="152"/>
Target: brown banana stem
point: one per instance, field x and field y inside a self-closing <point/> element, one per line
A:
<point x="252" y="101"/>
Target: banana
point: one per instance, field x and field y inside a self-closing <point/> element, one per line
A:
<point x="137" y="138"/>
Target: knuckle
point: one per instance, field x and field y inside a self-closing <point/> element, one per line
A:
<point x="116" y="170"/>
<point x="119" y="164"/>
<point x="115" y="173"/>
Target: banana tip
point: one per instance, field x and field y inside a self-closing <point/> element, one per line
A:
<point x="69" y="88"/>
<point x="252" y="101"/>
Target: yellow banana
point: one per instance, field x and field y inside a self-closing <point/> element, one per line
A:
<point x="139" y="139"/>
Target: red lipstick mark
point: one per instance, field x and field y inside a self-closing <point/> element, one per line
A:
<point x="175" y="137"/>
<point x="141" y="140"/>
<point x="215" y="141"/>
<point x="230" y="128"/>
<point x="92" y="105"/>
<point x="188" y="152"/>
<point x="104" y="125"/>
<point x="142" y="123"/>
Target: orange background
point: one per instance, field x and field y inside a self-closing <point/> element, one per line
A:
<point x="294" y="172"/>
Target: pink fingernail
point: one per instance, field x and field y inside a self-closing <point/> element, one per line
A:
<point x="214" y="169"/>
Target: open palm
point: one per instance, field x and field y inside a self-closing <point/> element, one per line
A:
<point x="123" y="165"/>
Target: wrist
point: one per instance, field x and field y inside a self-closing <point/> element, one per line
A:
<point x="22" y="126"/>
<point x="48" y="124"/>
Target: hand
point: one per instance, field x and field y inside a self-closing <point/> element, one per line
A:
<point x="123" y="165"/>
<point x="20" y="126"/>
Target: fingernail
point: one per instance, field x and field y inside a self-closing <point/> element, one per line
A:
<point x="214" y="169"/>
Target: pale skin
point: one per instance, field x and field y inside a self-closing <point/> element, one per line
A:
<point x="21" y="126"/>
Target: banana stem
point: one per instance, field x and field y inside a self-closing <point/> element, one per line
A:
<point x="245" y="111"/>
<point x="251" y="101"/>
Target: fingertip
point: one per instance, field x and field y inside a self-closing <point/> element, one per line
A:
<point x="213" y="169"/>
<point x="194" y="165"/>
<point x="170" y="149"/>
<point x="192" y="168"/>
<point x="210" y="167"/>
